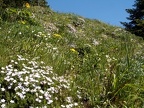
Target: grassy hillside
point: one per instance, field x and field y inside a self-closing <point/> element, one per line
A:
<point x="56" y="60"/>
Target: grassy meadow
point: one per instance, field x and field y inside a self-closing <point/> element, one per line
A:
<point x="57" y="60"/>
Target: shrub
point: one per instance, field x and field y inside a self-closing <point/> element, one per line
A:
<point x="13" y="14"/>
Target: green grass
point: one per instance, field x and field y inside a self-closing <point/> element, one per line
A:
<point x="77" y="62"/>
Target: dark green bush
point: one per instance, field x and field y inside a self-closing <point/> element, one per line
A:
<point x="14" y="15"/>
<point x="20" y="3"/>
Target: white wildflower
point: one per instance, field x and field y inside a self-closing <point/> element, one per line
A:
<point x="12" y="101"/>
<point x="2" y="68"/>
<point x="16" y="63"/>
<point x="41" y="91"/>
<point x="9" y="87"/>
<point x="50" y="101"/>
<point x="20" y="95"/>
<point x="44" y="107"/>
<point x="62" y="106"/>
<point x="95" y="42"/>
<point x="41" y="97"/>
<point x="2" y="100"/>
<point x="2" y="89"/>
<point x="26" y="83"/>
<point x="14" y="81"/>
<point x="75" y="104"/>
<point x="3" y="106"/>
<point x="20" y="33"/>
<point x="37" y="99"/>
<point x="69" y="106"/>
<point x="12" y="61"/>
<point x="69" y="99"/>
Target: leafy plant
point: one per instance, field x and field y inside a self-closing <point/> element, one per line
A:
<point x="14" y="15"/>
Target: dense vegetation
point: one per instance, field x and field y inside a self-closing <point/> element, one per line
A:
<point x="21" y="3"/>
<point x="136" y="19"/>
<point x="55" y="60"/>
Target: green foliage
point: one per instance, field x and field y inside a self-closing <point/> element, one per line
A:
<point x="136" y="17"/>
<point x="1" y="3"/>
<point x="20" y="3"/>
<point x="14" y="3"/>
<point x="14" y="15"/>
<point x="42" y="3"/>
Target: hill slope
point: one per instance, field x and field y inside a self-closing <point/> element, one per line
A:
<point x="51" y="59"/>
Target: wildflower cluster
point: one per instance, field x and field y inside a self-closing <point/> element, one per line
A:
<point x="39" y="34"/>
<point x="27" y="83"/>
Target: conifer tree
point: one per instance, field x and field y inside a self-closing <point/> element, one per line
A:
<point x="13" y="3"/>
<point x="136" y="17"/>
<point x="39" y="3"/>
<point x="43" y="3"/>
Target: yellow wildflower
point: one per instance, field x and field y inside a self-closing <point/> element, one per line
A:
<point x="57" y="35"/>
<point x="27" y="5"/>
<point x="73" y="50"/>
<point x="23" y="22"/>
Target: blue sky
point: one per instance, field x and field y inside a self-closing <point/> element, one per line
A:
<point x="108" y="11"/>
